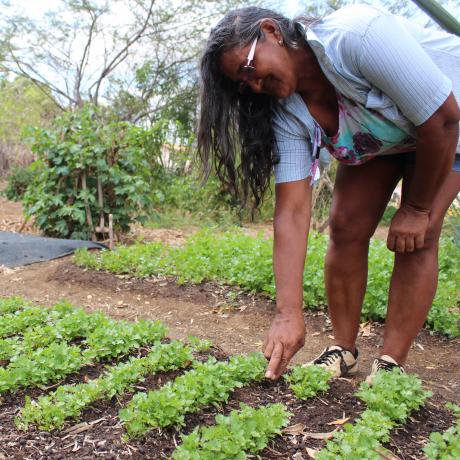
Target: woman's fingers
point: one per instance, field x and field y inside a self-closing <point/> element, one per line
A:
<point x="268" y="348"/>
<point x="391" y="242"/>
<point x="275" y="361"/>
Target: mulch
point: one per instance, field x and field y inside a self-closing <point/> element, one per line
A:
<point x="98" y="433"/>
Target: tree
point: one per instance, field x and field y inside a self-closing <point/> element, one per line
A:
<point x="89" y="50"/>
<point x="23" y="104"/>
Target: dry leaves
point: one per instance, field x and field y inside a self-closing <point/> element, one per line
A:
<point x="340" y="421"/>
<point x="298" y="430"/>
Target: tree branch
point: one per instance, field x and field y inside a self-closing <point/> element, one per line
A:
<point x="123" y="53"/>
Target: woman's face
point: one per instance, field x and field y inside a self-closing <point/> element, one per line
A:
<point x="274" y="68"/>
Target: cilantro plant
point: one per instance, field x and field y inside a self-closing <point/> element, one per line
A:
<point x="119" y="337"/>
<point x="359" y="441"/>
<point x="208" y="383"/>
<point x="394" y="394"/>
<point x="12" y="305"/>
<point x="307" y="381"/>
<point x="390" y="400"/>
<point x="50" y="363"/>
<point x="445" y="446"/>
<point x="243" y="432"/>
<point x="18" y="321"/>
<point x="76" y="324"/>
<point x="238" y="259"/>
<point x="41" y="366"/>
<point x="68" y="401"/>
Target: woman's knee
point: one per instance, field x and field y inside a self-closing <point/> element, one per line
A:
<point x="347" y="227"/>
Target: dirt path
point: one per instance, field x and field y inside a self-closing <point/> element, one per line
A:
<point x="205" y="310"/>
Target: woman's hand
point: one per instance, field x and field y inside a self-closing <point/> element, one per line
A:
<point x="407" y="229"/>
<point x="284" y="338"/>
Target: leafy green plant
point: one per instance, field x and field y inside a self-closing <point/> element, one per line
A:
<point x="394" y="394"/>
<point x="199" y="344"/>
<point x="208" y="383"/>
<point x="390" y="400"/>
<point x="232" y="437"/>
<point x="110" y="339"/>
<point x="68" y="401"/>
<point x="86" y="159"/>
<point x="307" y="381"/>
<point x="359" y="441"/>
<point x="18" y="321"/>
<point x="18" y="180"/>
<point x="237" y="259"/>
<point x="117" y="338"/>
<point x="445" y="446"/>
<point x="41" y="366"/>
<point x="12" y="305"/>
<point x="75" y="324"/>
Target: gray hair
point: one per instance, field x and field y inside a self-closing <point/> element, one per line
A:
<point x="235" y="136"/>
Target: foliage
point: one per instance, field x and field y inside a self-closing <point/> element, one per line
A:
<point x="23" y="104"/>
<point x="307" y="381"/>
<point x="358" y="441"/>
<point x="244" y="431"/>
<point x="445" y="446"/>
<point x="80" y="150"/>
<point x="390" y="211"/>
<point x="182" y="199"/>
<point x="237" y="259"/>
<point x="12" y="305"/>
<point x="394" y="394"/>
<point x="18" y="180"/>
<point x="390" y="400"/>
<point x="199" y="344"/>
<point x="49" y="363"/>
<point x="118" y="337"/>
<point x="19" y="320"/>
<point x="41" y="366"/>
<point x="208" y="383"/>
<point x="68" y="401"/>
<point x="75" y="324"/>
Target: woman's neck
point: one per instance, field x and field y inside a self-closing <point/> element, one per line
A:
<point x="312" y="84"/>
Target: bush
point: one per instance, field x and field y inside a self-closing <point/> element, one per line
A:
<point x="18" y="180"/>
<point x="81" y="153"/>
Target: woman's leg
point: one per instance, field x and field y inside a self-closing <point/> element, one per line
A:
<point x="361" y="194"/>
<point x="415" y="275"/>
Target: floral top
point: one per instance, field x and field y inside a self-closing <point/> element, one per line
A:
<point x="363" y="134"/>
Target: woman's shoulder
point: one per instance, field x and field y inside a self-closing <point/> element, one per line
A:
<point x="353" y="18"/>
<point x="290" y="116"/>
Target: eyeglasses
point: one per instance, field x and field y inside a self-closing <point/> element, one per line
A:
<point x="248" y="70"/>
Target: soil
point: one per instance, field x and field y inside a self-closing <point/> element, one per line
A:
<point x="98" y="433"/>
<point x="235" y="325"/>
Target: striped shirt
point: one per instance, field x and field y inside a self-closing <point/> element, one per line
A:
<point x="384" y="62"/>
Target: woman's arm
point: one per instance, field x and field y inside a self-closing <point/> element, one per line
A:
<point x="436" y="144"/>
<point x="394" y="62"/>
<point x="291" y="224"/>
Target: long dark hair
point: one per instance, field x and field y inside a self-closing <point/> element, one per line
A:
<point x="235" y="136"/>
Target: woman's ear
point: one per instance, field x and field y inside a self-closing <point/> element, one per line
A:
<point x="270" y="30"/>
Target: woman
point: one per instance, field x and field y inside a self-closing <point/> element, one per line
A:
<point x="379" y="93"/>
